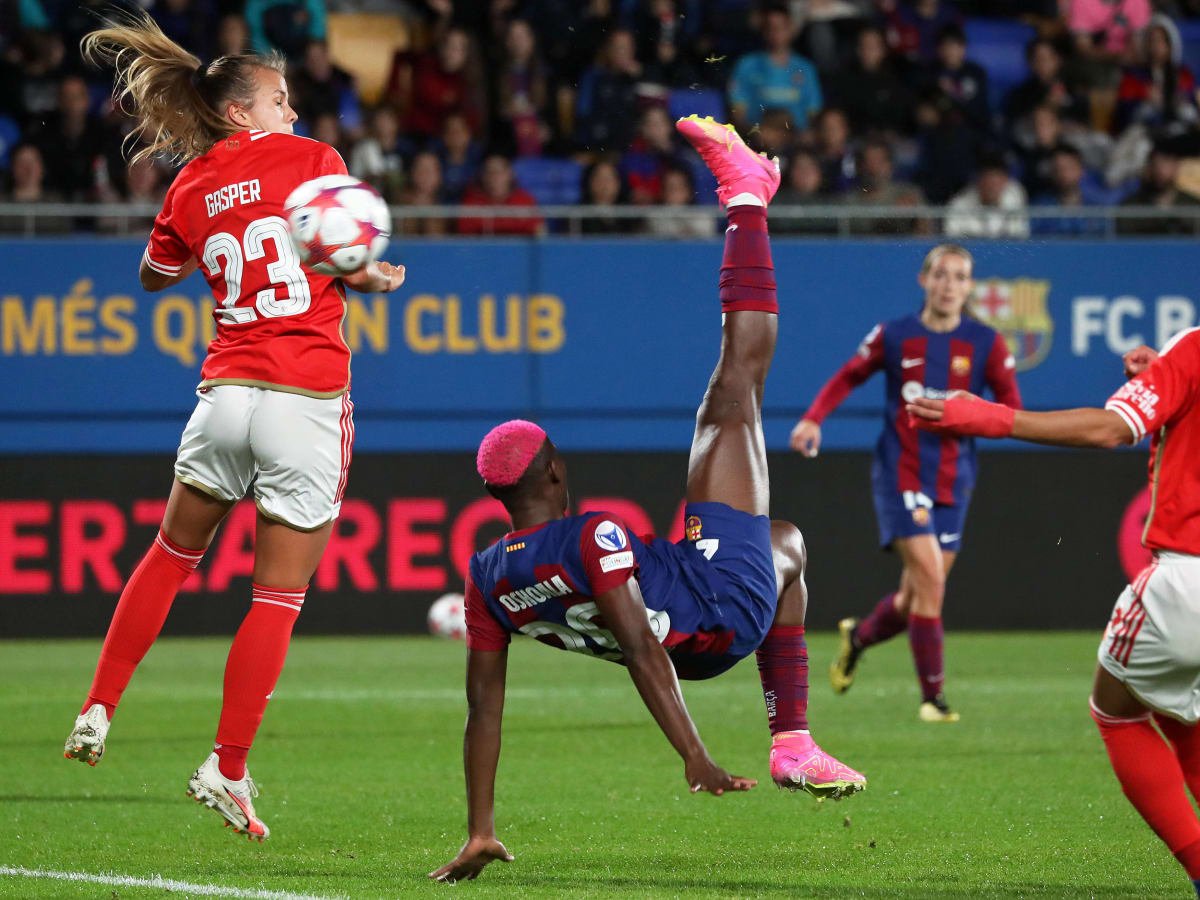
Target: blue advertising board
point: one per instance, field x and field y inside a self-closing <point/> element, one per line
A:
<point x="607" y="343"/>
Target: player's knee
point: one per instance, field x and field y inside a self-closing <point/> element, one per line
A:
<point x="787" y="544"/>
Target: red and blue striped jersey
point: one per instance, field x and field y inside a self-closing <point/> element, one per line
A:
<point x="543" y="581"/>
<point x="918" y="362"/>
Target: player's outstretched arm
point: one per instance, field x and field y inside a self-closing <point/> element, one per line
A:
<point x="625" y="614"/>
<point x="966" y="414"/>
<point x="376" y="278"/>
<point x="154" y="281"/>
<point x="486" y="672"/>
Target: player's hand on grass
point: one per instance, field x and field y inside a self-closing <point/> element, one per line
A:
<point x="705" y="775"/>
<point x="476" y="853"/>
<point x="1138" y="360"/>
<point x="806" y="438"/>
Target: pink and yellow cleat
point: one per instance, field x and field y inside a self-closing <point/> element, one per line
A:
<point x="798" y="764"/>
<point x="738" y="169"/>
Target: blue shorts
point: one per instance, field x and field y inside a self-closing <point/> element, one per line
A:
<point x="731" y="551"/>
<point x="909" y="513"/>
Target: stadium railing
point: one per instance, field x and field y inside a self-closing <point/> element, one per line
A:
<point x="831" y="220"/>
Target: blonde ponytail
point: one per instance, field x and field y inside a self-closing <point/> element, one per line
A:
<point x="179" y="106"/>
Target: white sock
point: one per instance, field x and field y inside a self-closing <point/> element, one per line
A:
<point x="744" y="199"/>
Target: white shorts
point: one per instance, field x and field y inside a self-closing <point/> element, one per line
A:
<point x="295" y="449"/>
<point x="1152" y="643"/>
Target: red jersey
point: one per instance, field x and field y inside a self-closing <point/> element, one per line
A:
<point x="1164" y="401"/>
<point x="278" y="325"/>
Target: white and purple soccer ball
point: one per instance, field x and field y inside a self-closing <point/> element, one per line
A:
<point x="448" y="617"/>
<point x="338" y="224"/>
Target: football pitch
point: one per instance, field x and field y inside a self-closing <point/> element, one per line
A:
<point x="359" y="763"/>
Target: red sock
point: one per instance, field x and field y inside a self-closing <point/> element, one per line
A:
<point x="747" y="272"/>
<point x="1151" y="778"/>
<point x="255" y="661"/>
<point x="783" y="670"/>
<point x="1185" y="741"/>
<point x="925" y="638"/>
<point x="139" y="617"/>
<point x="884" y="622"/>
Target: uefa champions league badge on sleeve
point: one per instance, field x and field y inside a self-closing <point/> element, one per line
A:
<point x="610" y="537"/>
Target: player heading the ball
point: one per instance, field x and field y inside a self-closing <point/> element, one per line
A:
<point x="587" y="583"/>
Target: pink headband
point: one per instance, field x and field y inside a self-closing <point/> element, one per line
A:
<point x="507" y="451"/>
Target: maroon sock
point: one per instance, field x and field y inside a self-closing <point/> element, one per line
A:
<point x="884" y="622"/>
<point x="747" y="272"/>
<point x="783" y="669"/>
<point x="925" y="638"/>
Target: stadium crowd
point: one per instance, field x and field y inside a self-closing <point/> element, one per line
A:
<point x="988" y="107"/>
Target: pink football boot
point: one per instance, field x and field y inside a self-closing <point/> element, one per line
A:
<point x="739" y="170"/>
<point x="797" y="763"/>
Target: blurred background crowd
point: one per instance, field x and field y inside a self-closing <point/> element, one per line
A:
<point x="986" y="107"/>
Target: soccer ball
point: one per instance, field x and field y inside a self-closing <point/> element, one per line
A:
<point x="338" y="224"/>
<point x="447" y="617"/>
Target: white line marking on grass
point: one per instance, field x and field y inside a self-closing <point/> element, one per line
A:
<point x="157" y="881"/>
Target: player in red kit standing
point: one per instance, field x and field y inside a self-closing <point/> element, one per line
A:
<point x="586" y="583"/>
<point x="273" y="404"/>
<point x="1149" y="657"/>
<point x="922" y="483"/>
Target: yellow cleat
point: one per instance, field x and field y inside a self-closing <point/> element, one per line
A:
<point x="841" y="670"/>
<point x="936" y="710"/>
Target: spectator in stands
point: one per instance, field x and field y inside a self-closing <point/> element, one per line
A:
<point x="319" y="88"/>
<point x="946" y="148"/>
<point x="802" y="186"/>
<point x="1159" y="187"/>
<point x="679" y="193"/>
<point x="75" y="144"/>
<point x="1044" y="85"/>
<point x="876" y="186"/>
<point x="1160" y="92"/>
<point x="871" y="90"/>
<point x="775" y="77"/>
<point x="827" y="31"/>
<point x="570" y="33"/>
<point x="233" y="36"/>
<point x="424" y="188"/>
<point x="284" y="25"/>
<point x="993" y="207"/>
<point x="666" y="30"/>
<point x="27" y="184"/>
<point x="1070" y="189"/>
<point x="962" y="81"/>
<point x="652" y="152"/>
<point x="378" y="158"/>
<point x="608" y="95"/>
<point x="328" y="130"/>
<point x="187" y="22"/>
<point x="522" y="85"/>
<point x="913" y="27"/>
<point x="1036" y="150"/>
<point x="429" y="87"/>
<point x="602" y="186"/>
<point x="838" y="162"/>
<point x="42" y="69"/>
<point x="460" y="155"/>
<point x="145" y="183"/>
<point x="497" y="186"/>
<point x="776" y="135"/>
<point x="1105" y="33"/>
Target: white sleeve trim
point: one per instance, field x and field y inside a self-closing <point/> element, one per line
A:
<point x="160" y="268"/>
<point x="1125" y="411"/>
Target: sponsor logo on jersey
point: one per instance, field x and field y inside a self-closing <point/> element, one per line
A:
<point x="920" y="516"/>
<point x="524" y="598"/>
<point x="610" y="537"/>
<point x="692" y="528"/>
<point x="960" y="365"/>
<point x="1017" y="308"/>
<point x="1140" y="395"/>
<point x="616" y="561"/>
<point x="911" y="390"/>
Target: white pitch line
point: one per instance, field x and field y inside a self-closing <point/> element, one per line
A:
<point x="157" y="881"/>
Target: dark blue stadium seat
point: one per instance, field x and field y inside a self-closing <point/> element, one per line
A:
<point x="10" y="134"/>
<point x="551" y="181"/>
<point x="702" y="101"/>
<point x="999" y="46"/>
<point x="1189" y="31"/>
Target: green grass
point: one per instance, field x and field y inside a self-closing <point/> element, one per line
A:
<point x="359" y="763"/>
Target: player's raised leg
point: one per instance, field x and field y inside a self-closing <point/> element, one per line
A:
<point x="190" y="521"/>
<point x="728" y="461"/>
<point x="797" y="762"/>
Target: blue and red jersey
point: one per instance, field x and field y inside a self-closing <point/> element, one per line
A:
<point x="543" y="581"/>
<point x="923" y="363"/>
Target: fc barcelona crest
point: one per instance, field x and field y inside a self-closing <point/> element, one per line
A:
<point x="1017" y="308"/>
